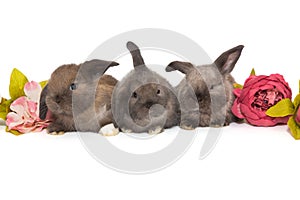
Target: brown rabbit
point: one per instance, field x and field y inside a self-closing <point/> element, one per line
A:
<point x="206" y="93"/>
<point x="143" y="101"/>
<point x="75" y="93"/>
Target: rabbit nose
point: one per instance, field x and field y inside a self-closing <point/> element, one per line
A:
<point x="57" y="99"/>
<point x="149" y="104"/>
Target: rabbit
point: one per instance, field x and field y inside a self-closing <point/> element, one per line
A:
<point x="75" y="93"/>
<point x="143" y="101"/>
<point x="206" y="94"/>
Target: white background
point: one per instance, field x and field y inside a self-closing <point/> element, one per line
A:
<point x="247" y="163"/>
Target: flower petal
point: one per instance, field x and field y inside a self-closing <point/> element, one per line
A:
<point x="32" y="109"/>
<point x="261" y="122"/>
<point x="281" y="120"/>
<point x="248" y="112"/>
<point x="235" y="109"/>
<point x="237" y="92"/>
<point x="13" y="119"/>
<point x="253" y="79"/>
<point x="297" y="116"/>
<point x="23" y="129"/>
<point x="33" y="90"/>
<point x="19" y="105"/>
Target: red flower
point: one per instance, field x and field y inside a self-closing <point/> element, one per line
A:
<point x="297" y="116"/>
<point x="257" y="96"/>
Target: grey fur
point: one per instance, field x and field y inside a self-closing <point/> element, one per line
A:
<point x="207" y="82"/>
<point x="144" y="101"/>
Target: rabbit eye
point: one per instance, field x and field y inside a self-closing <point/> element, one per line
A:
<point x="134" y="95"/>
<point x="158" y="91"/>
<point x="212" y="87"/>
<point x="73" y="86"/>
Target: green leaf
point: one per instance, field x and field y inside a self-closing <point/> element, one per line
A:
<point x="2" y="100"/>
<point x="283" y="108"/>
<point x="43" y="83"/>
<point x="294" y="128"/>
<point x="17" y="82"/>
<point x="13" y="132"/>
<point x="236" y="85"/>
<point x="252" y="72"/>
<point x="297" y="101"/>
<point x="3" y="115"/>
<point x="2" y="107"/>
<point x="5" y="108"/>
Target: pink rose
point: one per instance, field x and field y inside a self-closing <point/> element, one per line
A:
<point x="257" y="96"/>
<point x="25" y="115"/>
<point x="297" y="116"/>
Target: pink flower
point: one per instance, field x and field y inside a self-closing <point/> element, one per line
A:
<point x="257" y="96"/>
<point x="25" y="115"/>
<point x="297" y="116"/>
<point x="33" y="91"/>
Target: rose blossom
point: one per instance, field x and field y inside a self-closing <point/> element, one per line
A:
<point x="257" y="96"/>
<point x="25" y="115"/>
<point x="297" y="116"/>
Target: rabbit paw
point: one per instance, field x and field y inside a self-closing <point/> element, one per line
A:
<point x="56" y="129"/>
<point x="56" y="133"/>
<point x="126" y="130"/>
<point x="156" y="131"/>
<point x="187" y="127"/>
<point x="217" y="124"/>
<point x="109" y="130"/>
<point x="188" y="124"/>
<point x="226" y="123"/>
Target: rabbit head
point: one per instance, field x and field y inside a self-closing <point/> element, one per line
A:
<point x="144" y="101"/>
<point x="67" y="82"/>
<point x="213" y="87"/>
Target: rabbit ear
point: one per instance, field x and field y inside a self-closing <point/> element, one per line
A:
<point x="43" y="109"/>
<point x="184" y="67"/>
<point x="138" y="60"/>
<point x="227" y="60"/>
<point x="95" y="68"/>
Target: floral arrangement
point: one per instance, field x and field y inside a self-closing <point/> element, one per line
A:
<point x="21" y="111"/>
<point x="266" y="101"/>
<point x="261" y="101"/>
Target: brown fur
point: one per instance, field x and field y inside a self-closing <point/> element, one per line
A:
<point x="90" y="100"/>
<point x="201" y="85"/>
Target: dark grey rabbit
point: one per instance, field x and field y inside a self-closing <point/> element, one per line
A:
<point x="144" y="101"/>
<point x="75" y="93"/>
<point x="206" y="93"/>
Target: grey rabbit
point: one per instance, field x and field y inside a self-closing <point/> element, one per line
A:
<point x="75" y="93"/>
<point x="206" y="94"/>
<point x="143" y="101"/>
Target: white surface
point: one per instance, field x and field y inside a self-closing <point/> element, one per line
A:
<point x="247" y="163"/>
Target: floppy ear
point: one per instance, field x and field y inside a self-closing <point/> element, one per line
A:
<point x="184" y="67"/>
<point x="94" y="68"/>
<point x="137" y="58"/>
<point x="43" y="109"/>
<point x="227" y="60"/>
